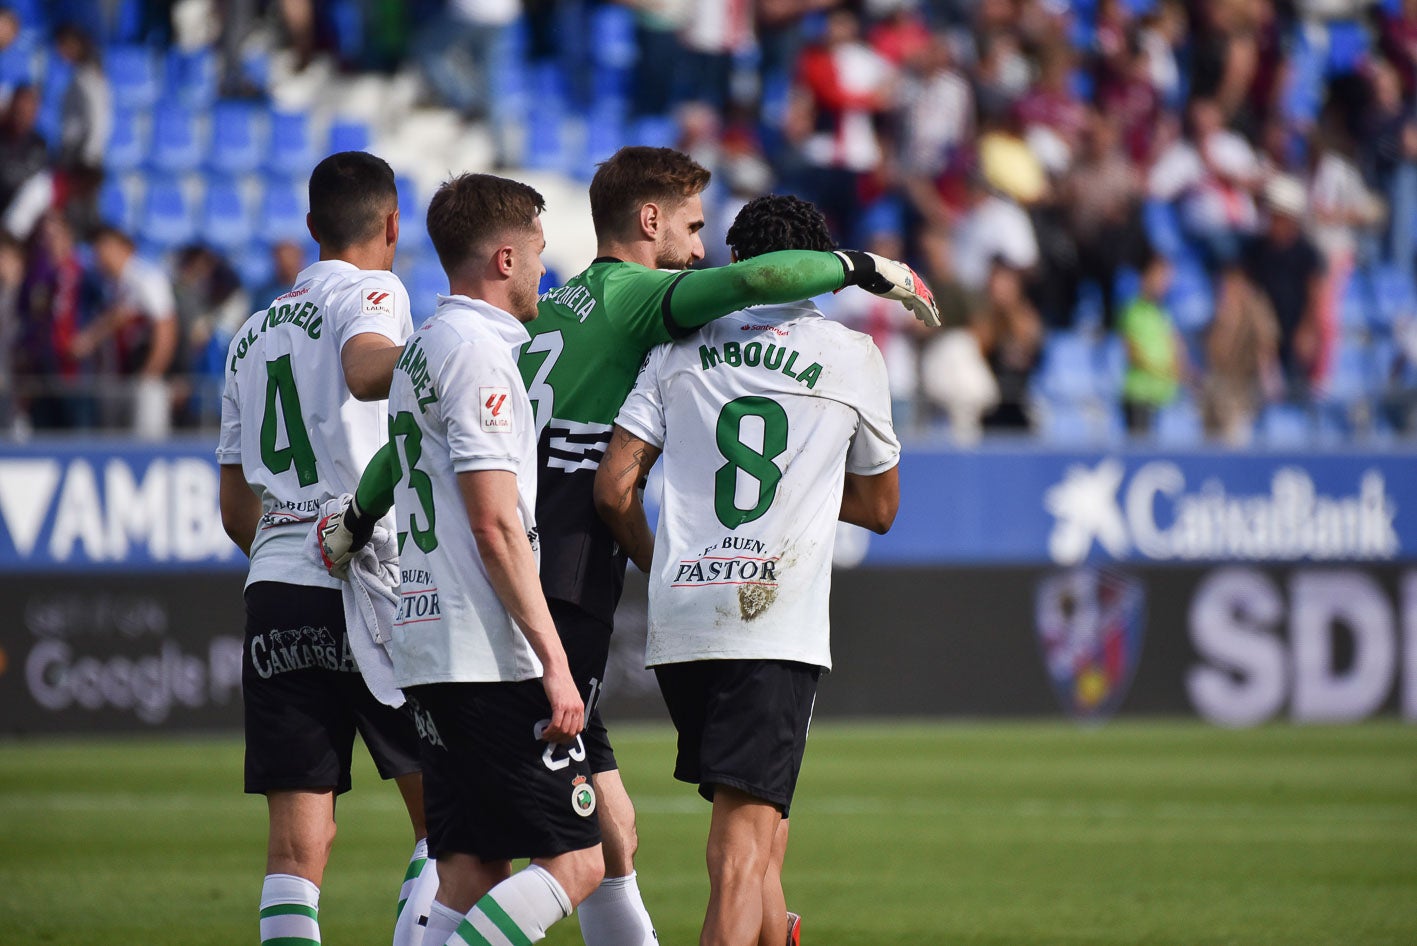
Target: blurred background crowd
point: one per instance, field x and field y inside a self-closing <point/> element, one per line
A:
<point x="1179" y="221"/>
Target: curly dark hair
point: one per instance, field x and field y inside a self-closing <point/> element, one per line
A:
<point x="778" y="222"/>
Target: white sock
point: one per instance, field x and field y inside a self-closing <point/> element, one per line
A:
<point x="516" y="911"/>
<point x="615" y="915"/>
<point x="420" y="883"/>
<point x="441" y="923"/>
<point x="290" y="910"/>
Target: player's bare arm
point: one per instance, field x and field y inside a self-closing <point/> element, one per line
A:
<point x="871" y="501"/>
<point x="163" y="350"/>
<point x="491" y="500"/>
<point x="618" y="482"/>
<point x="240" y="507"/>
<point x="368" y="360"/>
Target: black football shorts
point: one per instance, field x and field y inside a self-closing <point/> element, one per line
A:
<point x="741" y="723"/>
<point x="305" y="698"/>
<point x="491" y="787"/>
<point x="586" y="640"/>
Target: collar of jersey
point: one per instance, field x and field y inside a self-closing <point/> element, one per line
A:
<point x="324" y="267"/>
<point x="499" y="321"/>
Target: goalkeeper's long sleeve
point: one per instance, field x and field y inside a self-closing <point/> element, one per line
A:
<point x="375" y="493"/>
<point x="697" y="297"/>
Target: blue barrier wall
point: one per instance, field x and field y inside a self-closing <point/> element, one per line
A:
<point x="120" y="506"/>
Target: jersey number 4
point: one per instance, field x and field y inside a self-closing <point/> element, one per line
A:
<point x="743" y="458"/>
<point x="281" y="396"/>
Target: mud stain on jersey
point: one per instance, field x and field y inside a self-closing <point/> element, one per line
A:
<point x="753" y="600"/>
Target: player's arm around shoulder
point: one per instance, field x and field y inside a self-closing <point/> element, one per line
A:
<point x="372" y="334"/>
<point x="491" y="499"/>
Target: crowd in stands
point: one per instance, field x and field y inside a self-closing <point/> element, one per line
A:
<point x="1182" y="221"/>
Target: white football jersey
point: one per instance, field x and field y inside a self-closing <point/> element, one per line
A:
<point x="287" y="416"/>
<point x="759" y="416"/>
<point x="457" y="404"/>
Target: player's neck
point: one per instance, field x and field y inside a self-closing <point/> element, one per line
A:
<point x="372" y="255"/>
<point x="635" y="251"/>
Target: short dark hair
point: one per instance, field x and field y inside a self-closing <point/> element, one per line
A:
<point x="351" y="192"/>
<point x="778" y="222"/>
<point x="471" y="210"/>
<point x="636" y="175"/>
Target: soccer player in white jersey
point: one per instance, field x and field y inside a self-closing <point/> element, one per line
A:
<point x="773" y="423"/>
<point x="474" y="646"/>
<point x="302" y="413"/>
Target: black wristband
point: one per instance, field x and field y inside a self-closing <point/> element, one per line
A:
<point x="359" y="524"/>
<point x="861" y="271"/>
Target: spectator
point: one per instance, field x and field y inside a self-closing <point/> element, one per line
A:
<point x="956" y="379"/>
<point x="1242" y="354"/>
<point x="26" y="186"/>
<point x="1389" y="155"/>
<point x="1289" y="271"/>
<point x="9" y="32"/>
<point x="1103" y="194"/>
<point x="1155" y="352"/>
<point x="843" y="85"/>
<point x="1011" y="338"/>
<point x="713" y="33"/>
<point x="992" y="228"/>
<point x="287" y="259"/>
<point x="12" y="275"/>
<point x="465" y="54"/>
<point x="52" y="376"/>
<point x="936" y="114"/>
<point x="211" y="305"/>
<point x="140" y="319"/>
<point x="85" y="123"/>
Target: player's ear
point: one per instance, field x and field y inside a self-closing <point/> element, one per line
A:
<point x="650" y="219"/>
<point x="504" y="259"/>
<point x="310" y="225"/>
<point x="391" y="228"/>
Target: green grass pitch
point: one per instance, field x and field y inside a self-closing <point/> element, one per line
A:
<point x="998" y="833"/>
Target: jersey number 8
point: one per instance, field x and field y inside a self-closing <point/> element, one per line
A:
<point x="740" y="456"/>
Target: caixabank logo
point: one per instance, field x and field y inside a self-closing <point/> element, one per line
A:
<point x="1090" y="625"/>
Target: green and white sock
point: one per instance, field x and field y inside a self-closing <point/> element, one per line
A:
<point x="290" y="911"/>
<point x="516" y="912"/>
<point x="420" y="883"/>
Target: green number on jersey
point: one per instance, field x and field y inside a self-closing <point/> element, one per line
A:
<point x="740" y="456"/>
<point x="541" y="394"/>
<point x="280" y="386"/>
<point x="404" y="427"/>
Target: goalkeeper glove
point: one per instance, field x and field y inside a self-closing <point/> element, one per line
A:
<point x="342" y="534"/>
<point x="886" y="277"/>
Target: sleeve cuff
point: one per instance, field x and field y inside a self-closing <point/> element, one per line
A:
<point x="474" y="464"/>
<point x="634" y="427"/>
<point x="864" y="470"/>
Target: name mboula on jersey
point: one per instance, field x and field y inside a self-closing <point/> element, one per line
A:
<point x="457" y="405"/>
<point x="759" y="415"/>
<point x="289" y="419"/>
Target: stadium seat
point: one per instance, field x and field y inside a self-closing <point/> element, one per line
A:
<point x="254" y="265"/>
<point x="1351" y="377"/>
<point x="238" y="139"/>
<point x="291" y="149"/>
<point x="127" y="144"/>
<point x="1066" y="372"/>
<point x="1178" y="424"/>
<point x="1354" y="306"/>
<point x="192" y="77"/>
<point x="132" y="75"/>
<point x="1191" y="300"/>
<point x="167" y="215"/>
<point x="612" y="36"/>
<point x="117" y="203"/>
<point x="413" y="210"/>
<point x="1348" y="44"/>
<point x="654" y="131"/>
<point x="348" y="135"/>
<point x="1284" y="425"/>
<point x="226" y="220"/>
<point x="21" y="62"/>
<point x="1163" y="228"/>
<point x="284" y="203"/>
<point x="177" y="145"/>
<point x="1111" y="369"/>
<point x="1395" y="296"/>
<point x="424" y="280"/>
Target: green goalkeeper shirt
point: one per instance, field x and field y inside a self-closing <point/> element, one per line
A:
<point x="588" y="343"/>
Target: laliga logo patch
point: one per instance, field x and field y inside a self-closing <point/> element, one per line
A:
<point x="582" y="797"/>
<point x="378" y="302"/>
<point x="496" y="409"/>
<point x="1090" y="624"/>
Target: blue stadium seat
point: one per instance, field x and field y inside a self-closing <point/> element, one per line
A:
<point x="1354" y="307"/>
<point x="1163" y="228"/>
<point x="1066" y="373"/>
<point x="21" y="63"/>
<point x="654" y="131"/>
<point x="1395" y="295"/>
<point x="116" y="206"/>
<point x="612" y="36"/>
<point x="424" y="280"/>
<point x="1178" y="424"/>
<point x="238" y="139"/>
<point x="254" y="265"/>
<point x="1111" y="367"/>
<point x="132" y="74"/>
<point x="348" y="135"/>
<point x="192" y="77"/>
<point x="1191" y="300"/>
<point x="1348" y="44"/>
<point x="226" y="220"/>
<point x="128" y="143"/>
<point x="284" y="203"/>
<point x="177" y="145"/>
<point x="1285" y="425"/>
<point x="291" y="149"/>
<point x="167" y="220"/>
<point x="1351" y="374"/>
<point x="413" y="210"/>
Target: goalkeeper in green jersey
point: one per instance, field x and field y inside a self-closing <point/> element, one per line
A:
<point x="587" y="344"/>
